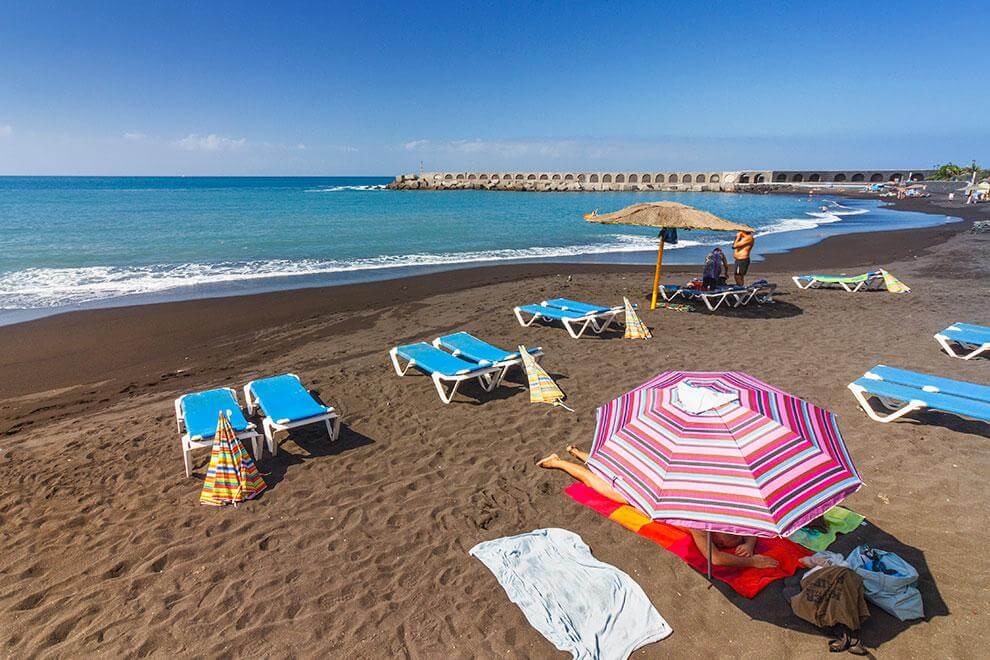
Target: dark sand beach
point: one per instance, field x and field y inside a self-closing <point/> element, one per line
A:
<point x="360" y="547"/>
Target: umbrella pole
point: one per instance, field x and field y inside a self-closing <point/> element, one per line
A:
<point x="709" y="556"/>
<point x="656" y="275"/>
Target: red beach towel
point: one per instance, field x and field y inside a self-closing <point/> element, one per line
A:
<point x="747" y="582"/>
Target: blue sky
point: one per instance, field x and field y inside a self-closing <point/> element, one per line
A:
<point x="296" y="88"/>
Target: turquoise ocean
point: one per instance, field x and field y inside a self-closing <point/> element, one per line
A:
<point x="80" y="242"/>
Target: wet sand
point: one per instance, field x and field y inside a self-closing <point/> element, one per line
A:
<point x="361" y="547"/>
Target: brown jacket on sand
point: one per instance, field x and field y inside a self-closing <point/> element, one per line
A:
<point x="832" y="596"/>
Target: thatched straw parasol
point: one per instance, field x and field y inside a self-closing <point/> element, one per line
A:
<point x="665" y="215"/>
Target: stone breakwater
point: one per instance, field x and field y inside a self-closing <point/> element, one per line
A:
<point x="734" y="181"/>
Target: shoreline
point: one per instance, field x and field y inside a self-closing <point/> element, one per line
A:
<point x="804" y="256"/>
<point x="65" y="349"/>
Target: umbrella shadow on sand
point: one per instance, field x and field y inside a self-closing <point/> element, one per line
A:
<point x="772" y="606"/>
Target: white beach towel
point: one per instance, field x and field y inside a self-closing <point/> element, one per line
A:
<point x="581" y="605"/>
<point x="698" y="400"/>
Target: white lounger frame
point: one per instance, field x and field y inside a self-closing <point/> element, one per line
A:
<point x="814" y="283"/>
<point x="485" y="375"/>
<point x="974" y="349"/>
<point x="197" y="442"/>
<point x="505" y="365"/>
<point x="271" y="426"/>
<point x="899" y="408"/>
<point x="761" y="294"/>
<point x="575" y="326"/>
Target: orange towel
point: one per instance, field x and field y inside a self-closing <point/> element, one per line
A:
<point x="746" y="581"/>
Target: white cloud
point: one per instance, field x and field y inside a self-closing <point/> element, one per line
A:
<point x="135" y="136"/>
<point x="6" y="130"/>
<point x="211" y="142"/>
<point x="508" y="149"/>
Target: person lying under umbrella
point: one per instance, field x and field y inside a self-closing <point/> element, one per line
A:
<point x="727" y="549"/>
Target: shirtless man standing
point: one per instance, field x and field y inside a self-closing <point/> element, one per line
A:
<point x="741" y="248"/>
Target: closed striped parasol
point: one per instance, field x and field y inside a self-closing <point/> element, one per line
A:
<point x="723" y="452"/>
<point x="231" y="476"/>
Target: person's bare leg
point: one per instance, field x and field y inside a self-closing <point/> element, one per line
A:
<point x="577" y="453"/>
<point x="584" y="475"/>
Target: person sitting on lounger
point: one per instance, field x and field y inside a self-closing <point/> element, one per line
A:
<point x="727" y="549"/>
<point x="716" y="270"/>
<point x="741" y="248"/>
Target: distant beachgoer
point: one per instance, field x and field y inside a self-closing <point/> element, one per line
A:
<point x="716" y="269"/>
<point x="741" y="248"/>
<point x="727" y="549"/>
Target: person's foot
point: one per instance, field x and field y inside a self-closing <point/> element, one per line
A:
<point x="548" y="462"/>
<point x="577" y="453"/>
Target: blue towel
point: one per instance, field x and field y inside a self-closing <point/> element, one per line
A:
<point x="284" y="399"/>
<point x="581" y="605"/>
<point x="201" y="412"/>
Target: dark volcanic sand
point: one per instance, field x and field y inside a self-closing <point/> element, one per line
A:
<point x="360" y="548"/>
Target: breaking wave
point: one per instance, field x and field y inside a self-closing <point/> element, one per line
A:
<point x="343" y="188"/>
<point x="38" y="288"/>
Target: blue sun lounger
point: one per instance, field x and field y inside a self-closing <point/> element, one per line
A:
<point x="467" y="346"/>
<point x="286" y="404"/>
<point x="574" y="315"/>
<point x="971" y="340"/>
<point x="442" y="367"/>
<point x="903" y="391"/>
<point x="197" y="415"/>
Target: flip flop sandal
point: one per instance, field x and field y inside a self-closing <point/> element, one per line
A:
<point x="856" y="647"/>
<point x="838" y="645"/>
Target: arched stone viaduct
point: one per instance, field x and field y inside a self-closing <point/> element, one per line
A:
<point x="646" y="181"/>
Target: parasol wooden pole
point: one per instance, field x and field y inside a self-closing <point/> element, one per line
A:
<point x="656" y="275"/>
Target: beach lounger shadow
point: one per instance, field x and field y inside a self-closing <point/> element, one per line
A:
<point x="312" y="441"/>
<point x="771" y="606"/>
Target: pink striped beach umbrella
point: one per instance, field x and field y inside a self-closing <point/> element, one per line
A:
<point x="723" y="452"/>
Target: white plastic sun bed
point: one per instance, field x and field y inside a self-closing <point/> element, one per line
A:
<point x="901" y="392"/>
<point x="442" y="367"/>
<point x="286" y="404"/>
<point x="196" y="416"/>
<point x="574" y="315"/>
<point x="965" y="340"/>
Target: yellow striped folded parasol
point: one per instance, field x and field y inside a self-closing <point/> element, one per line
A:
<point x="635" y="328"/>
<point x="542" y="389"/>
<point x="893" y="284"/>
